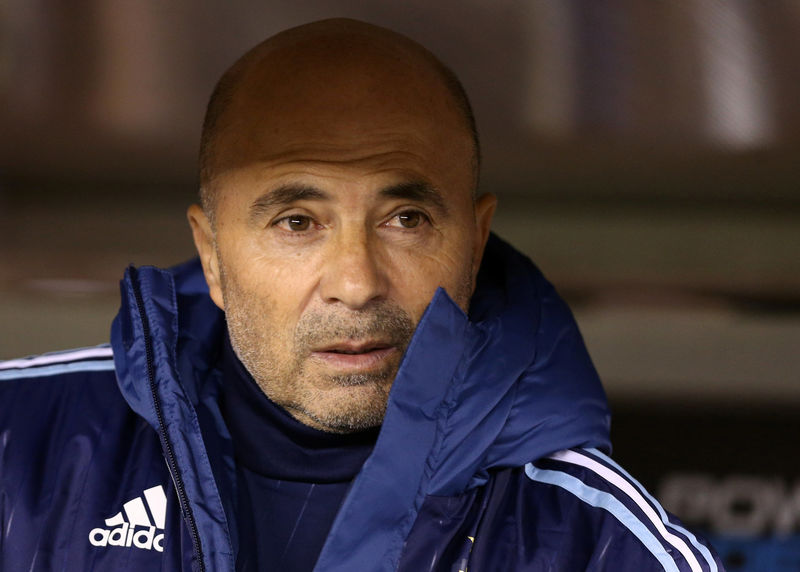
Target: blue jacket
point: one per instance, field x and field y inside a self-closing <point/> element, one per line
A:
<point x="492" y="455"/>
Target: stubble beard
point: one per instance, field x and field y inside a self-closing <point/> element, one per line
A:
<point x="341" y="403"/>
<point x="288" y="383"/>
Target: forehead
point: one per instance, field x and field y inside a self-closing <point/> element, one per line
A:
<point x="357" y="186"/>
<point x="341" y="105"/>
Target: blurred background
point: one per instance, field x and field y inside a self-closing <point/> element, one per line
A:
<point x="646" y="156"/>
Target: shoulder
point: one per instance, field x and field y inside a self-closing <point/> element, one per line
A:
<point x="71" y="451"/>
<point x="60" y="415"/>
<point x="614" y="510"/>
<point x="54" y="397"/>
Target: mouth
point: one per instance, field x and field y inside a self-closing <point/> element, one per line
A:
<point x="351" y="355"/>
<point x="354" y="348"/>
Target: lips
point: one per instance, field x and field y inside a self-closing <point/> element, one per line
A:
<point x="353" y="348"/>
<point x="353" y="356"/>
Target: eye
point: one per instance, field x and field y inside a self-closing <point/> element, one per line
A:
<point x="408" y="219"/>
<point x="294" y="223"/>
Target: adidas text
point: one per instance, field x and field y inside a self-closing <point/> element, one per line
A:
<point x="140" y="527"/>
<point x="128" y="536"/>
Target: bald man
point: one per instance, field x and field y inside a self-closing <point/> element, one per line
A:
<point x="353" y="376"/>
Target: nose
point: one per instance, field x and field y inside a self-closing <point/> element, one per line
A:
<point x="354" y="272"/>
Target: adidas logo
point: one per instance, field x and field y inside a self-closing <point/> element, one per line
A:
<point x="136" y="528"/>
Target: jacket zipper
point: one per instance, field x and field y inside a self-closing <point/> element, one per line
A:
<point x="162" y="428"/>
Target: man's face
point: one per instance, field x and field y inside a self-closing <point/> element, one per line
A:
<point x="335" y="223"/>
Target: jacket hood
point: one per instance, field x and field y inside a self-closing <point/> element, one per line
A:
<point x="507" y="385"/>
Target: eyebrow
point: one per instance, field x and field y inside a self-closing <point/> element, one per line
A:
<point x="416" y="191"/>
<point x="285" y="195"/>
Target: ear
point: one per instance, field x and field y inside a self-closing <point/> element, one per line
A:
<point x="204" y="241"/>
<point x="485" y="206"/>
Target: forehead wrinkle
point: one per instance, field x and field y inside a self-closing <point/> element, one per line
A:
<point x="302" y="162"/>
<point x="380" y="148"/>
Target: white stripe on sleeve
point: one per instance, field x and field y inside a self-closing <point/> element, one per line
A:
<point x="62" y="357"/>
<point x="623" y="485"/>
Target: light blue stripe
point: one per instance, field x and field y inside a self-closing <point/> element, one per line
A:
<point x="73" y="350"/>
<point x="712" y="565"/>
<point x="600" y="499"/>
<point x="94" y="365"/>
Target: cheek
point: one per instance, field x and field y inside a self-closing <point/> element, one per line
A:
<point x="282" y="283"/>
<point x="280" y="297"/>
<point x="417" y="275"/>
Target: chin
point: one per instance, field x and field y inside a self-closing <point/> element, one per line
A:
<point x="344" y="409"/>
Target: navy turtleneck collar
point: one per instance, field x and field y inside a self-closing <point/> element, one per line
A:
<point x="272" y="443"/>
